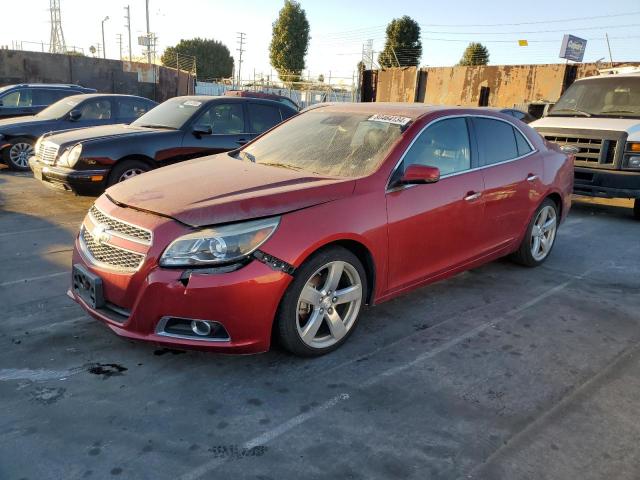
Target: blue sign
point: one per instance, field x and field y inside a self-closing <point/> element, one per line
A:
<point x="573" y="48"/>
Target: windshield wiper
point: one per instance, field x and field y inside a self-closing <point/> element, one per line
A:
<point x="150" y="125"/>
<point x="242" y="155"/>
<point x="571" y="110"/>
<point x="281" y="165"/>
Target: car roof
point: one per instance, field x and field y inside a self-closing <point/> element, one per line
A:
<point x="230" y="98"/>
<point x="47" y="85"/>
<point x="611" y="75"/>
<point x="409" y="110"/>
<point x="98" y="95"/>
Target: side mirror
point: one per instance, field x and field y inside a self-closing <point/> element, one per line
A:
<point x="74" y="115"/>
<point x="418" y="174"/>
<point x="202" y="130"/>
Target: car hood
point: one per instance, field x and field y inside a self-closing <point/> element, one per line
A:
<point x="101" y="132"/>
<point x="629" y="125"/>
<point x="221" y="189"/>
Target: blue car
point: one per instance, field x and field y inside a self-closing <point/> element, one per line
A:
<point x="30" y="98"/>
<point x="19" y="135"/>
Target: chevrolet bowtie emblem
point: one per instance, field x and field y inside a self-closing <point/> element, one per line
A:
<point x="100" y="234"/>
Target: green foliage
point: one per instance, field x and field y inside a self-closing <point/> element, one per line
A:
<point x="403" y="47"/>
<point x="213" y="58"/>
<point x="475" y="54"/>
<point x="290" y="41"/>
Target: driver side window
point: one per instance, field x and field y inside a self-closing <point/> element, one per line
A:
<point x="223" y="119"/>
<point x="445" y="145"/>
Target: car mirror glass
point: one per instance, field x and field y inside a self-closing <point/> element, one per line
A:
<point x="74" y="115"/>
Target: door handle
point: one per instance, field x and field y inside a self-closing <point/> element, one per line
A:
<point x="241" y="141"/>
<point x="532" y="178"/>
<point x="471" y="196"/>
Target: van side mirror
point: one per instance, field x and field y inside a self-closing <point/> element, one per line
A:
<point x="74" y="115"/>
<point x="419" y="174"/>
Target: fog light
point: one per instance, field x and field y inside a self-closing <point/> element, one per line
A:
<point x="200" y="328"/>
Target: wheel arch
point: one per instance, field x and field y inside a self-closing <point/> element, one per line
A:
<point x="140" y="157"/>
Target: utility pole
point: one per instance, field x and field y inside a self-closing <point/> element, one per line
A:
<point x="128" y="26"/>
<point x="119" y="35"/>
<point x="241" y="36"/>
<point x="148" y="35"/>
<point x="104" y="47"/>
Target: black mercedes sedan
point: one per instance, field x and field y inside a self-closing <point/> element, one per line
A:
<point x="19" y="135"/>
<point x="88" y="161"/>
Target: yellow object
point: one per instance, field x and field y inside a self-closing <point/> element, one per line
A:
<point x="97" y="178"/>
<point x="634" y="147"/>
<point x="523" y="43"/>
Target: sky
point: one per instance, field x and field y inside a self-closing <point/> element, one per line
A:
<point x="339" y="28"/>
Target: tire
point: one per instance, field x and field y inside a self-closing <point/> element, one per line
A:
<point x="525" y="254"/>
<point x="636" y="209"/>
<point x="17" y="155"/>
<point x="126" y="169"/>
<point x="311" y="329"/>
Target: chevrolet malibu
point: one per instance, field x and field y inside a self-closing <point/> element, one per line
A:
<point x="289" y="237"/>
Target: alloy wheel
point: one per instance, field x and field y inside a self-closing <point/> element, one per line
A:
<point x="543" y="233"/>
<point x="329" y="304"/>
<point x="19" y="154"/>
<point x="132" y="172"/>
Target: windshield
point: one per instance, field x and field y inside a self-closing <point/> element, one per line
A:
<point x="59" y="109"/>
<point x="326" y="143"/>
<point x="172" y="114"/>
<point x="608" y="96"/>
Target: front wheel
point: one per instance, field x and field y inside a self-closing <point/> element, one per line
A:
<point x="127" y="169"/>
<point x="320" y="308"/>
<point x="17" y="155"/>
<point x="636" y="209"/>
<point x="540" y="237"/>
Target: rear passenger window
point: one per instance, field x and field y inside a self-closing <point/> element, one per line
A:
<point x="523" y="145"/>
<point x="496" y="141"/>
<point x="263" y="117"/>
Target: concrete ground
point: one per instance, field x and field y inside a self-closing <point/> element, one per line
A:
<point x="499" y="373"/>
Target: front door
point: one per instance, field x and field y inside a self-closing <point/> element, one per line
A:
<point x="220" y="128"/>
<point x="435" y="227"/>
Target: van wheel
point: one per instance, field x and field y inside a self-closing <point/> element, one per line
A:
<point x="17" y="155"/>
<point x="636" y="209"/>
<point x="126" y="170"/>
<point x="321" y="307"/>
<point x="540" y="237"/>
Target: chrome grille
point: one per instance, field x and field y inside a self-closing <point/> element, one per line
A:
<point x="47" y="152"/>
<point x="110" y="255"/>
<point x="133" y="232"/>
<point x="592" y="150"/>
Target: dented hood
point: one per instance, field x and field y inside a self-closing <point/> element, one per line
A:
<point x="221" y="189"/>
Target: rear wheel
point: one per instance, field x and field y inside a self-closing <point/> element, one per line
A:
<point x="636" y="209"/>
<point x="540" y="237"/>
<point x="320" y="308"/>
<point x="127" y="169"/>
<point x="17" y="155"/>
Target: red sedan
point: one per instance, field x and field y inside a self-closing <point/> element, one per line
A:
<point x="290" y="236"/>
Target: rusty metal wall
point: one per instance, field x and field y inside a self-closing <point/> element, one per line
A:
<point x="108" y="76"/>
<point x="509" y="85"/>
<point x="397" y="85"/>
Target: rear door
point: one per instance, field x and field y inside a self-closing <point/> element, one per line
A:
<point x="227" y="127"/>
<point x="512" y="178"/>
<point x="436" y="227"/>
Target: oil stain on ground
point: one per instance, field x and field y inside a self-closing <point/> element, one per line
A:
<point x="107" y="370"/>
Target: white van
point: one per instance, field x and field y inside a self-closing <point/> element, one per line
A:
<point x="600" y="116"/>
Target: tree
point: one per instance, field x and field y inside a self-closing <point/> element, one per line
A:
<point x="213" y="59"/>
<point x="290" y="41"/>
<point x="402" y="47"/>
<point x="474" y="54"/>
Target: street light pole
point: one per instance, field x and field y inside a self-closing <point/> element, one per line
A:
<point x="104" y="47"/>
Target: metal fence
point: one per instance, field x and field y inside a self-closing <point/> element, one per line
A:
<point x="39" y="47"/>
<point x="302" y="93"/>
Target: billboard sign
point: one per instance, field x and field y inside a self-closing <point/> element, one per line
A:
<point x="573" y="48"/>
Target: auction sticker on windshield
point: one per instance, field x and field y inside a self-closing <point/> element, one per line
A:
<point x="191" y="103"/>
<point x="395" y="119"/>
